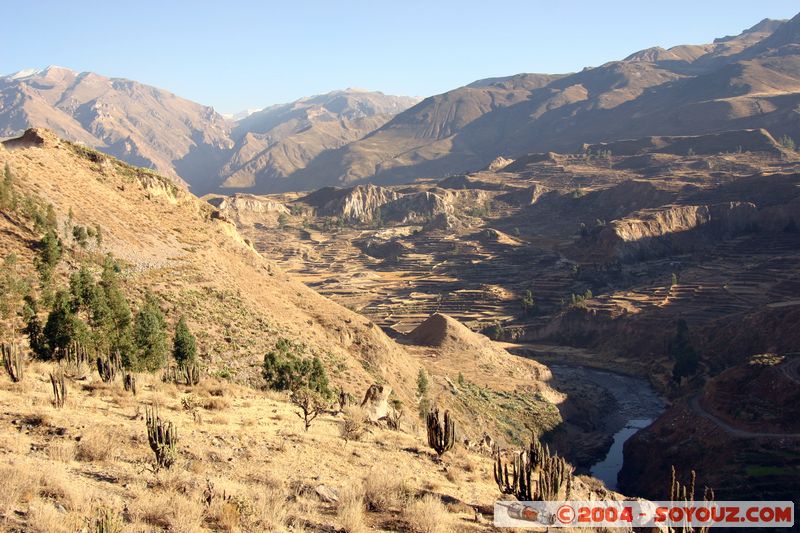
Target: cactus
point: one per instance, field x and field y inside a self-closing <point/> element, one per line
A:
<point x="129" y="382"/>
<point x="680" y="493"/>
<point x="59" y="388"/>
<point x="170" y="375"/>
<point x="441" y="434"/>
<point x="13" y="362"/>
<point x="554" y="474"/>
<point x="108" y="367"/>
<point x="75" y="354"/>
<point x="163" y="438"/>
<point x="107" y="521"/>
<point x="191" y="374"/>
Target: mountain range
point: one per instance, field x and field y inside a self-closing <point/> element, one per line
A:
<point x="750" y="80"/>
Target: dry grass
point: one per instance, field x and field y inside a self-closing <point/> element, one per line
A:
<point x="384" y="489"/>
<point x="355" y="423"/>
<point x="351" y="509"/>
<point x="98" y="445"/>
<point x="62" y="450"/>
<point x="17" y="485"/>
<point x="261" y="480"/>
<point x="168" y="510"/>
<point x="44" y="517"/>
<point x="427" y="515"/>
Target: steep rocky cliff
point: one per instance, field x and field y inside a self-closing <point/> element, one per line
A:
<point x="652" y="232"/>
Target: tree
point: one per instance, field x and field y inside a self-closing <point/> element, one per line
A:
<point x="528" y="303"/>
<point x="788" y="143"/>
<point x="422" y="382"/>
<point x="310" y="402"/>
<point x="80" y="235"/>
<point x="13" y="288"/>
<point x="62" y="326"/>
<point x="7" y="189"/>
<point x="287" y="368"/>
<point x="120" y="332"/>
<point x="33" y="327"/>
<point x="184" y="346"/>
<point x="150" y="336"/>
<point x="50" y="250"/>
<point x="681" y="351"/>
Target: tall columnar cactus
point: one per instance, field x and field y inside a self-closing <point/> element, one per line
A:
<point x="170" y="375"/>
<point x="681" y="493"/>
<point x="129" y="382"/>
<point x="75" y="354"/>
<point x="107" y="521"/>
<point x="108" y="367"/>
<point x="441" y="433"/>
<point x="163" y="438"/>
<point x="191" y="374"/>
<point x="553" y="474"/>
<point x="59" y="388"/>
<point x="13" y="362"/>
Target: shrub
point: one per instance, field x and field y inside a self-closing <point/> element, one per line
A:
<point x="150" y="335"/>
<point x="422" y="382"/>
<point x="184" y="347"/>
<point x="384" y="490"/>
<point x="50" y="250"/>
<point x="350" y="509"/>
<point x="355" y="421"/>
<point x="287" y="368"/>
<point x="427" y="515"/>
<point x="528" y="303"/>
<point x="310" y="402"/>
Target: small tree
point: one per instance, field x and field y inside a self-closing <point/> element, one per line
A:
<point x="310" y="402"/>
<point x="687" y="360"/>
<point x="286" y="367"/>
<point x="184" y="346"/>
<point x="788" y="143"/>
<point x="150" y="335"/>
<point x="61" y="328"/>
<point x="7" y="189"/>
<point x="49" y="255"/>
<point x="422" y="382"/>
<point x="528" y="303"/>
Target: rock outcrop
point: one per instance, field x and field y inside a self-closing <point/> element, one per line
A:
<point x="380" y="249"/>
<point x="652" y="232"/>
<point x="416" y="208"/>
<point x="376" y="401"/>
<point x="354" y="204"/>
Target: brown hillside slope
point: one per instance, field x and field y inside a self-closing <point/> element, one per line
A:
<point x="244" y="463"/>
<point x="238" y="302"/>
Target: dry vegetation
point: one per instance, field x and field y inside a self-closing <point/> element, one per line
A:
<point x="251" y="467"/>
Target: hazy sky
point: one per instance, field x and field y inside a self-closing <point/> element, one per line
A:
<point x="244" y="54"/>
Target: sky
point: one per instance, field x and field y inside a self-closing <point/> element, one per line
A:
<point x="235" y="55"/>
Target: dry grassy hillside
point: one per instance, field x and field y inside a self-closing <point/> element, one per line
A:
<point x="244" y="463"/>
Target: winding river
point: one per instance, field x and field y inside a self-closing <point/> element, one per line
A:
<point x="638" y="405"/>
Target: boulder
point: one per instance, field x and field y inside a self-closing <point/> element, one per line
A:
<point x="376" y="402"/>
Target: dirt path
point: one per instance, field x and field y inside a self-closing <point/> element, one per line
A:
<point x="694" y="405"/>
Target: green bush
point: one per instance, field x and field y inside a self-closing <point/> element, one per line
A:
<point x="286" y="367"/>
<point x="150" y="336"/>
<point x="184" y="347"/>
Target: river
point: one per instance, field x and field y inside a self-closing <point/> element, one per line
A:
<point x="638" y="404"/>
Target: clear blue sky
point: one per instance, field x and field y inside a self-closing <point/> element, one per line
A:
<point x="242" y="54"/>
